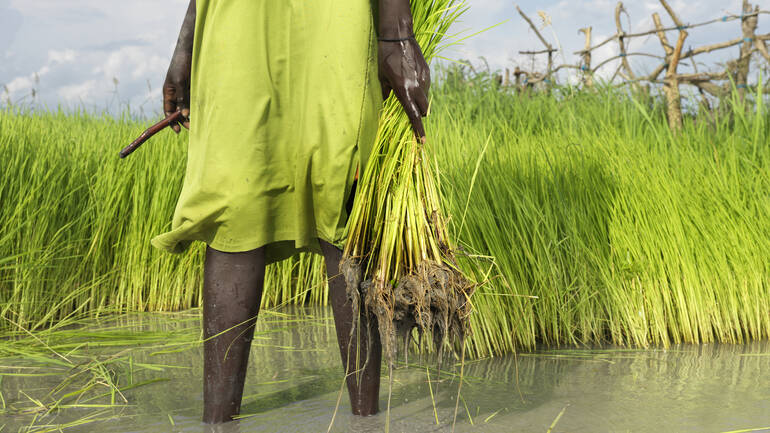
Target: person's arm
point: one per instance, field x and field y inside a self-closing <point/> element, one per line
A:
<point x="176" y="88"/>
<point x="402" y="67"/>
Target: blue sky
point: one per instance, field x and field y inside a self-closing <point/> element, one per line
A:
<point x="79" y="52"/>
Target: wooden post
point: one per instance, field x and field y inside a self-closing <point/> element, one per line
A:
<point x="588" y="79"/>
<point x="548" y="46"/>
<point x="748" y="27"/>
<point x="671" y="82"/>
<point x="517" y="77"/>
<point x="549" y="69"/>
<point x="621" y="44"/>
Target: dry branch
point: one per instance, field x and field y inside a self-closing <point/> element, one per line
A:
<point x="762" y="48"/>
<point x="672" y="14"/>
<point x="532" y="25"/>
<point x="712" y="47"/>
<point x="725" y="18"/>
<point x="671" y="82"/>
<point x="588" y="79"/>
<point x="748" y="27"/>
<point x="538" y="52"/>
<point x="738" y="69"/>
<point x="609" y="59"/>
<point x="621" y="44"/>
<point x="662" y="35"/>
<point x="549" y="47"/>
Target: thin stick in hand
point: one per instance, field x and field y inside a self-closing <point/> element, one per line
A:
<point x="152" y="130"/>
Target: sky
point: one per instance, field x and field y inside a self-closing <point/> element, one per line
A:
<point x="108" y="54"/>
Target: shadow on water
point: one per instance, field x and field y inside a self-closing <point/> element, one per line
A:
<point x="322" y="382"/>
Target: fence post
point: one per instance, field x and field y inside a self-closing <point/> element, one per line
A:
<point x="621" y="44"/>
<point x="588" y="79"/>
<point x="671" y="82"/>
<point x="748" y="28"/>
<point x="549" y="47"/>
<point x="517" y="77"/>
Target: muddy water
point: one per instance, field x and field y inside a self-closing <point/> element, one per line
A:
<point x="295" y="378"/>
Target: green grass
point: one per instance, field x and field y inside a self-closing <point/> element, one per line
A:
<point x="603" y="226"/>
<point x="76" y="222"/>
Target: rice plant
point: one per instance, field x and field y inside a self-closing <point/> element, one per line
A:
<point x="587" y="221"/>
<point x="605" y="227"/>
<point x="76" y="221"/>
<point x="398" y="261"/>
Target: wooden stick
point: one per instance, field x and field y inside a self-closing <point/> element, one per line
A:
<point x="672" y="14"/>
<point x="674" y="56"/>
<point x="670" y="82"/>
<point x="748" y="27"/>
<point x="620" y="57"/>
<point x="712" y="47"/>
<point x="666" y="29"/>
<point x="588" y="79"/>
<point x="662" y="35"/>
<point x="152" y="130"/>
<point x="550" y="50"/>
<point x="702" y="76"/>
<point x="621" y="34"/>
<point x="537" y="32"/>
<point x="762" y="48"/>
<point x="710" y="88"/>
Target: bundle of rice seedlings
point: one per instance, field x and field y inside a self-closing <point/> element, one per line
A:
<point x="398" y="261"/>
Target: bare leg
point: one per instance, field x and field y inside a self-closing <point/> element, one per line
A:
<point x="363" y="386"/>
<point x="232" y="291"/>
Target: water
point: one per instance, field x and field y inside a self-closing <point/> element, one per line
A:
<point x="295" y="378"/>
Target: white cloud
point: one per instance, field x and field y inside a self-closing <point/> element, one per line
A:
<point x="64" y="56"/>
<point x="24" y="84"/>
<point x="77" y="47"/>
<point x="78" y="92"/>
<point x="131" y="61"/>
<point x="18" y="84"/>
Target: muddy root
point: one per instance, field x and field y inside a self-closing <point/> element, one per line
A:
<point x="434" y="298"/>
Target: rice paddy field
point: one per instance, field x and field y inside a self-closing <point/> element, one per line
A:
<point x="586" y="220"/>
<point x="134" y="373"/>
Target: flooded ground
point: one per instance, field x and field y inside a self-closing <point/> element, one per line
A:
<point x="294" y="382"/>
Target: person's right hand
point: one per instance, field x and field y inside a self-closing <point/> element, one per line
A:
<point x="176" y="91"/>
<point x="402" y="68"/>
<point x="176" y="88"/>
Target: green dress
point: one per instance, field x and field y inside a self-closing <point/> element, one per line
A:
<point x="285" y="101"/>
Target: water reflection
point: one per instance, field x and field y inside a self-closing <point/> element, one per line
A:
<point x="295" y="379"/>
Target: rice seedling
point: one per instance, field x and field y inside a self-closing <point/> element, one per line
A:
<point x="398" y="260"/>
<point x="76" y="222"/>
<point x="605" y="227"/>
<point x="587" y="221"/>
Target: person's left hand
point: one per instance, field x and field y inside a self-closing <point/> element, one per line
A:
<point x="402" y="68"/>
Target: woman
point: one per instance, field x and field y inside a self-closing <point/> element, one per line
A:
<point x="282" y="99"/>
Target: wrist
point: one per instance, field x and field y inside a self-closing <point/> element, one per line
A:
<point x="395" y="20"/>
<point x="410" y="37"/>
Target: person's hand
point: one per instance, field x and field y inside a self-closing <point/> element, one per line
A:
<point x="176" y="88"/>
<point x="176" y="92"/>
<point x="402" y="68"/>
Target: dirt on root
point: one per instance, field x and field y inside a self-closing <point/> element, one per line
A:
<point x="434" y="298"/>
